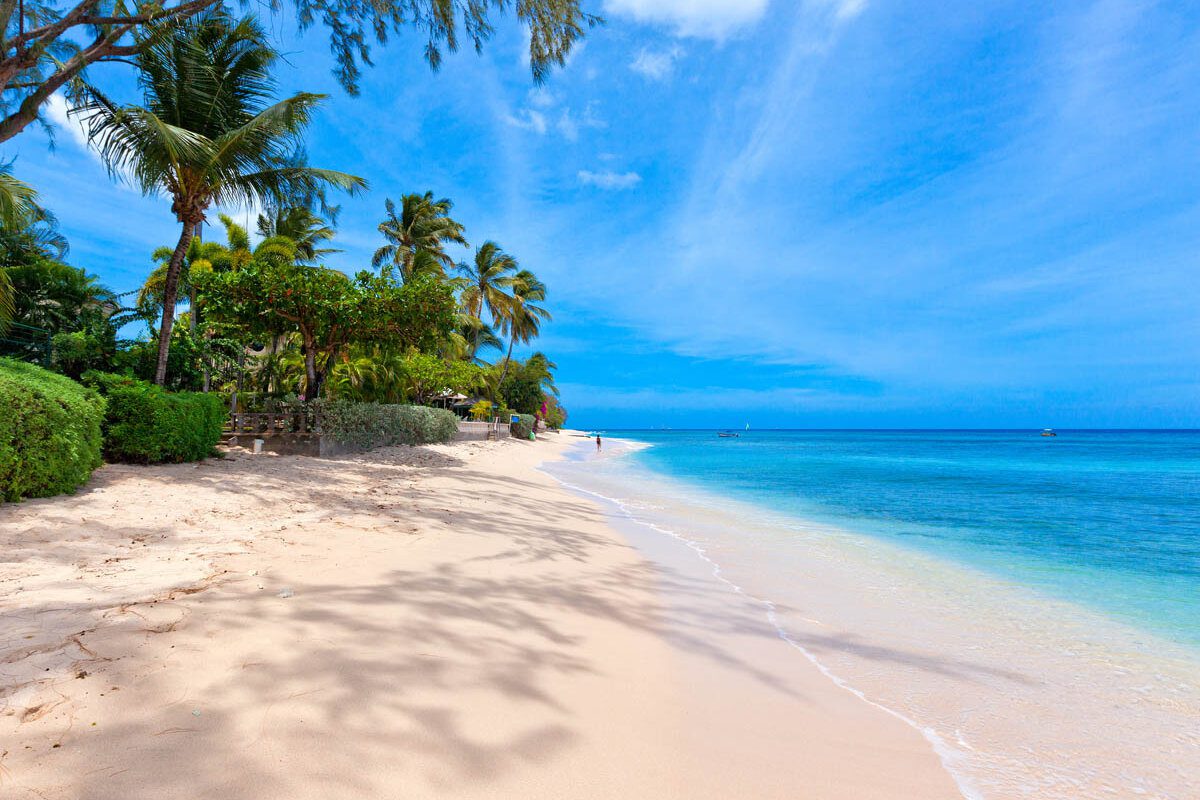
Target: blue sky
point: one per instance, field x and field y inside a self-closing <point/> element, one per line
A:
<point x="860" y="213"/>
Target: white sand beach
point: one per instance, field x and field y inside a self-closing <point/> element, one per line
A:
<point x="435" y="622"/>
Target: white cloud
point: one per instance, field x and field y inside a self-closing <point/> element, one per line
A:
<point x="529" y="120"/>
<point x="542" y="114"/>
<point x="657" y="66"/>
<point x="609" y="179"/>
<point x="711" y="19"/>
<point x="56" y="113"/>
<point x="848" y="9"/>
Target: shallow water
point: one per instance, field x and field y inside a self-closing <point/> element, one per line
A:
<point x="1030" y="607"/>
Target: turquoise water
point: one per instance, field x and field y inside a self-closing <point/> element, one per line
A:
<point x="1107" y="519"/>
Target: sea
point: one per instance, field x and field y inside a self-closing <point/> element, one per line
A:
<point x="1029" y="603"/>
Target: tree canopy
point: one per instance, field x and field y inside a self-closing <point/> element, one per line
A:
<point x="327" y="310"/>
<point x="48" y="44"/>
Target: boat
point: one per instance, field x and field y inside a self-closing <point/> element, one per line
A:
<point x="1049" y="432"/>
<point x="728" y="435"/>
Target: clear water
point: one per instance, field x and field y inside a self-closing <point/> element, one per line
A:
<point x="1030" y="604"/>
<point x="1108" y="519"/>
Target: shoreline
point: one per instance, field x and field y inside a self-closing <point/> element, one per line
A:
<point x="448" y="619"/>
<point x="954" y="652"/>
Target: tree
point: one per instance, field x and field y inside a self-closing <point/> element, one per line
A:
<point x="486" y="280"/>
<point x="525" y="317"/>
<point x="206" y="135"/>
<point x="327" y="310"/>
<point x="529" y="384"/>
<point x="58" y="299"/>
<point x="305" y="228"/>
<point x="25" y="226"/>
<point x="48" y="44"/>
<point x="556" y="414"/>
<point x="20" y="216"/>
<point x="421" y="229"/>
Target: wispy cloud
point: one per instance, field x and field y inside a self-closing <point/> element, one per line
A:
<point x="57" y="112"/>
<point x="609" y="179"/>
<point x="543" y="112"/>
<point x="657" y="65"/>
<point x="712" y="19"/>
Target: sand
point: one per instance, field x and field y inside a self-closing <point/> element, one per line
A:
<point x="438" y="622"/>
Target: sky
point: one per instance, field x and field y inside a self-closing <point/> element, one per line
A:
<point x="787" y="213"/>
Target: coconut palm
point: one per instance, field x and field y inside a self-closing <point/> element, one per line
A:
<point x="422" y="225"/>
<point x="207" y="257"/>
<point x="18" y="200"/>
<point x="28" y="229"/>
<point x="525" y="317"/>
<point x="206" y="134"/>
<point x="485" y="283"/>
<point x="302" y="226"/>
<point x="28" y="233"/>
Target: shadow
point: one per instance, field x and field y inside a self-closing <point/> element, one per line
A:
<point x="400" y="666"/>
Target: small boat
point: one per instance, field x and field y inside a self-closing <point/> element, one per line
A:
<point x="1049" y="432"/>
<point x="727" y="435"/>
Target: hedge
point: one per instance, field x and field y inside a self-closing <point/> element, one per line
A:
<point x="366" y="425"/>
<point x="523" y="427"/>
<point x="49" y="432"/>
<point x="146" y="424"/>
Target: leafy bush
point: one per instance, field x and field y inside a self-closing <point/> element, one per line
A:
<point x="523" y="428"/>
<point x="147" y="425"/>
<point x="481" y="411"/>
<point x="366" y="425"/>
<point x="49" y="432"/>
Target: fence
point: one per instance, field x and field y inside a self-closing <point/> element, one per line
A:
<point x="26" y="343"/>
<point x="481" y="430"/>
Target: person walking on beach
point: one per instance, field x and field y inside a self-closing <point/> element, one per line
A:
<point x="597" y="443"/>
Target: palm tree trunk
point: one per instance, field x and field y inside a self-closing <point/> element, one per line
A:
<point x="170" y="295"/>
<point x="507" y="358"/>
<point x="310" y="368"/>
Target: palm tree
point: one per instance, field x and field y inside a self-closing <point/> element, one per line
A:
<point x="303" y="227"/>
<point x="206" y="135"/>
<point x="485" y="281"/>
<point x="28" y="232"/>
<point x="525" y="318"/>
<point x="18" y="200"/>
<point x="423" y="224"/>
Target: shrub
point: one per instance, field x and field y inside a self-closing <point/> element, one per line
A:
<point x="523" y="427"/>
<point x="366" y="425"/>
<point x="49" y="432"/>
<point x="147" y="425"/>
<point x="481" y="410"/>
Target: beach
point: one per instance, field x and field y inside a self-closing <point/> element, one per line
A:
<point x="441" y="621"/>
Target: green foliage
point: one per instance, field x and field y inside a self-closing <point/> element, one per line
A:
<point x="49" y="432"/>
<point x="366" y="425"/>
<point x="379" y="376"/>
<point x="300" y="225"/>
<point x="422" y="228"/>
<point x="328" y="310"/>
<point x="556" y="415"/>
<point x="185" y="360"/>
<point x="482" y="410"/>
<point x="208" y="133"/>
<point x="48" y="294"/>
<point x="92" y="347"/>
<point x="26" y="228"/>
<point x="523" y="427"/>
<point x="49" y="51"/>
<point x="146" y="425"/>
